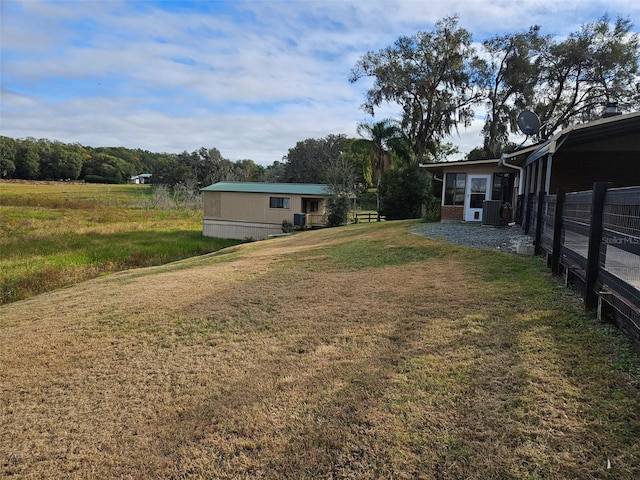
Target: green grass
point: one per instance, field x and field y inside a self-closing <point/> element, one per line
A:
<point x="363" y="254"/>
<point x="56" y="234"/>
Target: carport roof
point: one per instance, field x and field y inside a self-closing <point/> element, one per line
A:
<point x="259" y="187"/>
<point x="582" y="133"/>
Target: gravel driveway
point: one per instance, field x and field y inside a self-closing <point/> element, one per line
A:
<point x="504" y="239"/>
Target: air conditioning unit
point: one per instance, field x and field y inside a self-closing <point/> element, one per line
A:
<point x="491" y="212"/>
<point x="300" y="219"/>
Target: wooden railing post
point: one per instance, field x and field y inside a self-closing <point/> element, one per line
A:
<point x="537" y="248"/>
<point x="557" y="231"/>
<point x="595" y="239"/>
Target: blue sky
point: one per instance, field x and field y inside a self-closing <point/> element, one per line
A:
<point x="250" y="78"/>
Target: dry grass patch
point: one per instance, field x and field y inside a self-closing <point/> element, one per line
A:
<point x="294" y="358"/>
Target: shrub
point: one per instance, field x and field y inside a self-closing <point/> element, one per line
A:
<point x="403" y="192"/>
<point x="338" y="207"/>
<point x="287" y="226"/>
<point x="432" y="211"/>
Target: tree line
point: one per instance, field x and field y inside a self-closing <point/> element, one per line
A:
<point x="43" y="159"/>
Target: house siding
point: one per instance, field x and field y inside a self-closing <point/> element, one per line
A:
<point x="213" y="203"/>
<point x="479" y="169"/>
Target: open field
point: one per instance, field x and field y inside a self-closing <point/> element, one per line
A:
<point x="54" y="234"/>
<point x="360" y="352"/>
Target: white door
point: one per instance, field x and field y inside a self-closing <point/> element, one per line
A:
<point x="478" y="190"/>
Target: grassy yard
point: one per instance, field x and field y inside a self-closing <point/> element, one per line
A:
<point x="57" y="234"/>
<point x="359" y="352"/>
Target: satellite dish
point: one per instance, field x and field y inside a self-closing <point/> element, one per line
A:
<point x="528" y="122"/>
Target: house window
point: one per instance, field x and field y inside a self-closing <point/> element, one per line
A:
<point x="279" y="202"/>
<point x="501" y="189"/>
<point x="313" y="206"/>
<point x="454" y="189"/>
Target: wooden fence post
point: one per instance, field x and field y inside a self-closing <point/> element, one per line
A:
<point x="557" y="231"/>
<point x="537" y="249"/>
<point x="595" y="238"/>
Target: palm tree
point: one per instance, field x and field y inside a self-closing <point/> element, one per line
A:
<point x="378" y="141"/>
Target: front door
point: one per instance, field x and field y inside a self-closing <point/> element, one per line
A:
<point x="478" y="190"/>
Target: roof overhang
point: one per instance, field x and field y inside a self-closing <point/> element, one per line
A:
<point x="439" y="168"/>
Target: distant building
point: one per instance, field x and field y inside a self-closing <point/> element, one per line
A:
<point x="142" y="178"/>
<point x="256" y="210"/>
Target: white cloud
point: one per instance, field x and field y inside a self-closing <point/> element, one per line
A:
<point x="251" y="85"/>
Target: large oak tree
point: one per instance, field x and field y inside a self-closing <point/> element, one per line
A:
<point x="435" y="77"/>
<point x="593" y="67"/>
<point x="513" y="70"/>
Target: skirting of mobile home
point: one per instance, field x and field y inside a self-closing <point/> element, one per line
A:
<point x="240" y="230"/>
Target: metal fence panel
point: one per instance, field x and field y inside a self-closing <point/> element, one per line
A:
<point x="610" y="221"/>
<point x="577" y="207"/>
<point x="621" y="242"/>
<point x="548" y="217"/>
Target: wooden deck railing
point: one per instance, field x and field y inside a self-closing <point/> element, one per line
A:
<point x="317" y="220"/>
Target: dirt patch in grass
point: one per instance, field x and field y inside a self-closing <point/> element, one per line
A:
<point x="290" y="359"/>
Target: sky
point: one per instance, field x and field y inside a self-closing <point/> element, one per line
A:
<point x="250" y="78"/>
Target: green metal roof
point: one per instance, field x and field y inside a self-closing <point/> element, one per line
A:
<point x="256" y="187"/>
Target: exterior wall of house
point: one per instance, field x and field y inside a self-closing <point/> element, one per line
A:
<point x="487" y="168"/>
<point x="253" y="207"/>
<point x="248" y="215"/>
<point x="451" y="213"/>
<point x="455" y="213"/>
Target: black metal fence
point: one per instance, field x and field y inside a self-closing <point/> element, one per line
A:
<point x="593" y="239"/>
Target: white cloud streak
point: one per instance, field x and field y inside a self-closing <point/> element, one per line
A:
<point x="250" y="83"/>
